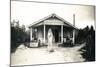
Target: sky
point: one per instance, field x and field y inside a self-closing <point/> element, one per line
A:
<point x="29" y="12"/>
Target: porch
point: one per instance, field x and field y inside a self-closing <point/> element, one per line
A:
<point x="61" y="34"/>
<point x="62" y="30"/>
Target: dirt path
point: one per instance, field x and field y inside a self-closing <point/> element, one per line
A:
<point x="27" y="56"/>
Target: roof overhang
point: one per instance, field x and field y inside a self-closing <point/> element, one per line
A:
<point x="46" y="22"/>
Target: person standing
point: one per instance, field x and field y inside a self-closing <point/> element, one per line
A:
<point x="50" y="41"/>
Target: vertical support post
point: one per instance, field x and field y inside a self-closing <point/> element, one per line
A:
<point x="30" y="34"/>
<point x="44" y="33"/>
<point x="73" y="36"/>
<point x="61" y="33"/>
<point x="73" y="29"/>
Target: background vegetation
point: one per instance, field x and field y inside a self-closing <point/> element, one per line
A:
<point x="19" y="35"/>
<point x="87" y="35"/>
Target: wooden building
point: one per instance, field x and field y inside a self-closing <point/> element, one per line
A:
<point x="61" y="29"/>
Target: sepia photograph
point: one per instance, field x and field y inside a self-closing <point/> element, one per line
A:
<point x="51" y="33"/>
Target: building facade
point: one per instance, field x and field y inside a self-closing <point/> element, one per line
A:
<point x="62" y="30"/>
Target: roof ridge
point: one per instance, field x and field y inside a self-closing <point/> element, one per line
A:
<point x="54" y="15"/>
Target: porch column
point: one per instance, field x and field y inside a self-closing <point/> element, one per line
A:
<point x="74" y="29"/>
<point x="44" y="33"/>
<point x="30" y="34"/>
<point x="61" y="33"/>
<point x="73" y="36"/>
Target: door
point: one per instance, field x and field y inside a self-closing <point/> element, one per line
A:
<point x="56" y="34"/>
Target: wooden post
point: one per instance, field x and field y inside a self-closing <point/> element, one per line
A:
<point x="73" y="29"/>
<point x="61" y="33"/>
<point x="30" y="34"/>
<point x="73" y="36"/>
<point x="44" y="33"/>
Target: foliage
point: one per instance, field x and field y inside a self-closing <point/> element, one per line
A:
<point x="82" y="34"/>
<point x="18" y="36"/>
<point x="88" y="35"/>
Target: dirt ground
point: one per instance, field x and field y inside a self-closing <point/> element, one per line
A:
<point x="31" y="56"/>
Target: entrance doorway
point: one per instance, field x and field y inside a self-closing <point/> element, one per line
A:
<point x="56" y="35"/>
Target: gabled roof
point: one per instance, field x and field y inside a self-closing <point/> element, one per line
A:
<point x="52" y="15"/>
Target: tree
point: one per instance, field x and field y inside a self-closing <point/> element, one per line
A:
<point x="89" y="38"/>
<point x="18" y="35"/>
<point x="82" y="34"/>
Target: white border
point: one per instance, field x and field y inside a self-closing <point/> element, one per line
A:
<point x="5" y="35"/>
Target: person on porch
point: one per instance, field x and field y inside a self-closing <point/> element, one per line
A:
<point x="50" y="41"/>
